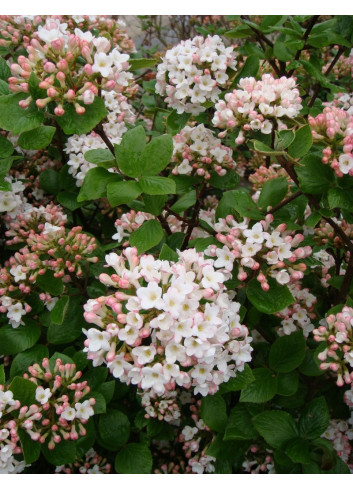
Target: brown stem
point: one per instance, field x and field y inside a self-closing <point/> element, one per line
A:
<point x="164" y="224"/>
<point x="291" y="172"/>
<point x="327" y="72"/>
<point x="343" y="292"/>
<point x="311" y="24"/>
<point x="285" y="202"/>
<point x="100" y="131"/>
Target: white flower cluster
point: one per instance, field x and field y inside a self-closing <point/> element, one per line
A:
<point x="257" y="104"/>
<point x="11" y="201"/>
<point x="8" y="443"/>
<point x="14" y="310"/>
<point x="192" y="71"/>
<point x="119" y="112"/>
<point x="197" y="150"/>
<point x="261" y="249"/>
<point x="300" y="314"/>
<point x="176" y="325"/>
<point x="199" y="463"/>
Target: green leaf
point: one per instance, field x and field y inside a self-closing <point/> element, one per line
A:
<point x="239" y="426"/>
<point x="48" y="283"/>
<point x="287" y="384"/>
<point x="22" y="361"/>
<point x="302" y="142"/>
<point x="49" y="181"/>
<point x="30" y="448"/>
<point x="297" y="450"/>
<point x="228" y="181"/>
<point x="138" y="64"/>
<point x="276" y="427"/>
<point x="249" y="68"/>
<point x="5" y="71"/>
<point x="114" y="429"/>
<point x="156" y="155"/>
<point x="13" y="118"/>
<point x="69" y="200"/>
<point x="100" y="157"/>
<point x="73" y="123"/>
<point x="134" y="458"/>
<point x="63" y="453"/>
<point x="313" y="219"/>
<point x="100" y="406"/>
<point x="238" y="201"/>
<point x="239" y="32"/>
<point x="314" y="177"/>
<point x="309" y="367"/>
<point x="214" y="412"/>
<point x="238" y="383"/>
<point x="71" y="327"/>
<point x="314" y="419"/>
<point x="95" y="184"/>
<point x="4" y="88"/>
<point x="262" y="389"/>
<point x="283" y="139"/>
<point x="273" y="192"/>
<point x="340" y="198"/>
<point x="266" y="150"/>
<point x="23" y="390"/>
<point x="168" y="254"/>
<point x="6" y="147"/>
<point x="146" y="236"/>
<point x="15" y="340"/>
<point x="154" y="204"/>
<point x="122" y="192"/>
<point x="2" y="375"/>
<point x="176" y="122"/>
<point x="59" y="311"/>
<point x="128" y="153"/>
<point x="37" y="138"/>
<point x="275" y="299"/>
<point x="157" y="185"/>
<point x="287" y="352"/>
<point x="184" y="202"/>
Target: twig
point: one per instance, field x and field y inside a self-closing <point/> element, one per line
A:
<point x="285" y="202"/>
<point x="343" y="292"/>
<point x="327" y="72"/>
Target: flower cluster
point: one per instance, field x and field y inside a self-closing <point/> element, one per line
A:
<point x="11" y="201"/>
<point x="341" y="434"/>
<point x="16" y="31"/>
<point x="58" y="412"/>
<point x="192" y="72"/>
<point x="172" y="324"/>
<point x="166" y="409"/>
<point x="197" y="151"/>
<point x="337" y="335"/>
<point x="106" y="26"/>
<point x="264" y="174"/>
<point x="91" y="463"/>
<point x="265" y="252"/>
<point x="324" y="232"/>
<point x="120" y="112"/>
<point x="258" y="105"/>
<point x="51" y="249"/>
<point x="9" y="439"/>
<point x="191" y="440"/>
<point x="343" y="101"/>
<point x="258" y="461"/>
<point x="333" y="128"/>
<point x="300" y="314"/>
<point x="56" y="61"/>
<point x="32" y="221"/>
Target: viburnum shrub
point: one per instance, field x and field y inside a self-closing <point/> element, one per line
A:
<point x="176" y="290"/>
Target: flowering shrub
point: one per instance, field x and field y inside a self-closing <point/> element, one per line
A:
<point x="176" y="246"/>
